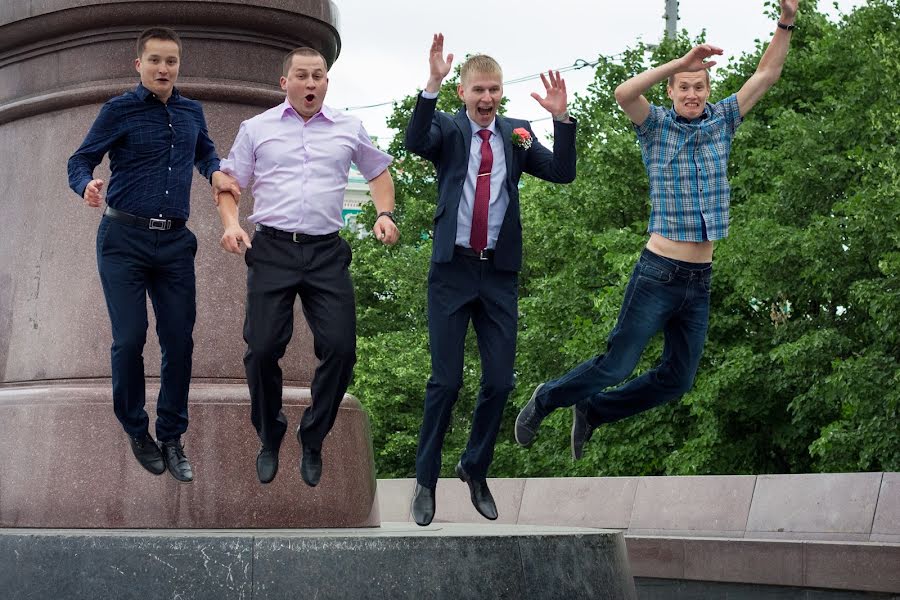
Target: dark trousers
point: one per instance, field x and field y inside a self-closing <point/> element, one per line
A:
<point x="136" y="262"/>
<point x="459" y="291"/>
<point x="317" y="271"/>
<point x="663" y="295"/>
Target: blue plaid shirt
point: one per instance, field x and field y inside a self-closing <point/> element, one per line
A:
<point x="687" y="162"/>
<point x="152" y="147"/>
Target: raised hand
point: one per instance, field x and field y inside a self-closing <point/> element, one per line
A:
<point x="695" y="59"/>
<point x="439" y="66"/>
<point x="555" y="101"/>
<point x="789" y="10"/>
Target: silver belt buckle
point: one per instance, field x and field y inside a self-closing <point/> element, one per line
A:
<point x="483" y="254"/>
<point x="159" y="224"/>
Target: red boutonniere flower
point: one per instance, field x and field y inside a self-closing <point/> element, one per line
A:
<point x="521" y="138"/>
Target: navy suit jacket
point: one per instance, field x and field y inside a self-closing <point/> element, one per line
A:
<point x="445" y="140"/>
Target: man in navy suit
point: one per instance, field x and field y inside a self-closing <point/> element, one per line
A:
<point x="479" y="157"/>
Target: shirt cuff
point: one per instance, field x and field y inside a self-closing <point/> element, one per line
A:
<point x="429" y="95"/>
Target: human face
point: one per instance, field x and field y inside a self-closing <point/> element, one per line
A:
<point x="306" y="84"/>
<point x="689" y="94"/>
<point x="481" y="93"/>
<point x="158" y="66"/>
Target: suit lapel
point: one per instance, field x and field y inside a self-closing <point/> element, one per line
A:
<point x="505" y="131"/>
<point x="462" y="121"/>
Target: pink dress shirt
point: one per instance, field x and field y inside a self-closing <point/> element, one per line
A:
<point x="299" y="169"/>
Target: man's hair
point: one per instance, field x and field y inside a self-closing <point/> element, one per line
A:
<point x="303" y="51"/>
<point x="157" y="33"/>
<point x="479" y="63"/>
<point x="672" y="78"/>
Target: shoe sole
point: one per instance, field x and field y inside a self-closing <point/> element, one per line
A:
<point x="516" y="428"/>
<point x="575" y="455"/>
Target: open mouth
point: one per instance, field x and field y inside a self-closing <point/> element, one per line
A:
<point x="310" y="97"/>
<point x="484" y="112"/>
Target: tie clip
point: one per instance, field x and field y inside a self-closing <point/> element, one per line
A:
<point x="484" y="174"/>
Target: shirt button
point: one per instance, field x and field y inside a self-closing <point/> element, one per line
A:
<point x="173" y="145"/>
<point x="167" y="192"/>
<point x="170" y="168"/>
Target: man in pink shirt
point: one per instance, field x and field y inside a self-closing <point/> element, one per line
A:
<point x="296" y="158"/>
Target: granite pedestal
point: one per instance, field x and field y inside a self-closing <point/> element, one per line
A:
<point x="66" y="463"/>
<point x="64" y="460"/>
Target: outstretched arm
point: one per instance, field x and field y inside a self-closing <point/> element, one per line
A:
<point x="630" y="95"/>
<point x="769" y="69"/>
<point x="423" y="135"/>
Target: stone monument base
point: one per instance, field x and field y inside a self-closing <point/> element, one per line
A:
<point x="398" y="560"/>
<point x="65" y="462"/>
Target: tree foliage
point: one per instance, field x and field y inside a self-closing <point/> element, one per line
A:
<point x="800" y="371"/>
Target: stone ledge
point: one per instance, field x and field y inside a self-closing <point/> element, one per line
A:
<point x="834" y="531"/>
<point x="397" y="560"/>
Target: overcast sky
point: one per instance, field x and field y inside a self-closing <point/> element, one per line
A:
<point x="384" y="53"/>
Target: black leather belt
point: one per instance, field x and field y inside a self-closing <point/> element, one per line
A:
<point x="143" y="222"/>
<point x="469" y="253"/>
<point x="299" y="238"/>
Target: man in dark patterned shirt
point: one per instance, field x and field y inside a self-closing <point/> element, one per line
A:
<point x="153" y="136"/>
<point x="685" y="150"/>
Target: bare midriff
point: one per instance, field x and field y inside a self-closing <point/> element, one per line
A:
<point x="695" y="252"/>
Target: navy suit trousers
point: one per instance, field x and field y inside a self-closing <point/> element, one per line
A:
<point x="135" y="262"/>
<point x="462" y="290"/>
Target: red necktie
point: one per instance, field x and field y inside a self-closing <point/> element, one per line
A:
<point x="478" y="236"/>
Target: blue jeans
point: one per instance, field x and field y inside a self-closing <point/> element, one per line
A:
<point x="662" y="295"/>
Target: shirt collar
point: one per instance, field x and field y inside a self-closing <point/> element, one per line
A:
<point x="679" y="119"/>
<point x="327" y="113"/>
<point x="143" y="93"/>
<point x="492" y="127"/>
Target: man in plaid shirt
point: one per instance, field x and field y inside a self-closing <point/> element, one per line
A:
<point x="685" y="150"/>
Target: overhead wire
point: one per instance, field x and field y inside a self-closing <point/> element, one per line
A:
<point x="578" y="64"/>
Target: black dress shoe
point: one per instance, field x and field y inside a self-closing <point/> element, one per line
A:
<point x="311" y="466"/>
<point x="176" y="461"/>
<point x="480" y="494"/>
<point x="267" y="464"/>
<point x="581" y="431"/>
<point x="529" y="420"/>
<point x="422" y="508"/>
<point x="147" y="453"/>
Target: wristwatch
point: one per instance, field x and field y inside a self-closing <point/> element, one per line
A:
<point x="786" y="27"/>
<point x="387" y="213"/>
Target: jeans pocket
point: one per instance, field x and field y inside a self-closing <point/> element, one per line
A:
<point x="654" y="273"/>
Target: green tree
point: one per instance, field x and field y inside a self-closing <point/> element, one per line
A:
<point x="800" y="372"/>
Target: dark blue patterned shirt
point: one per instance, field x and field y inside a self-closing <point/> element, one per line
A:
<point x="687" y="162"/>
<point x="152" y="147"/>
